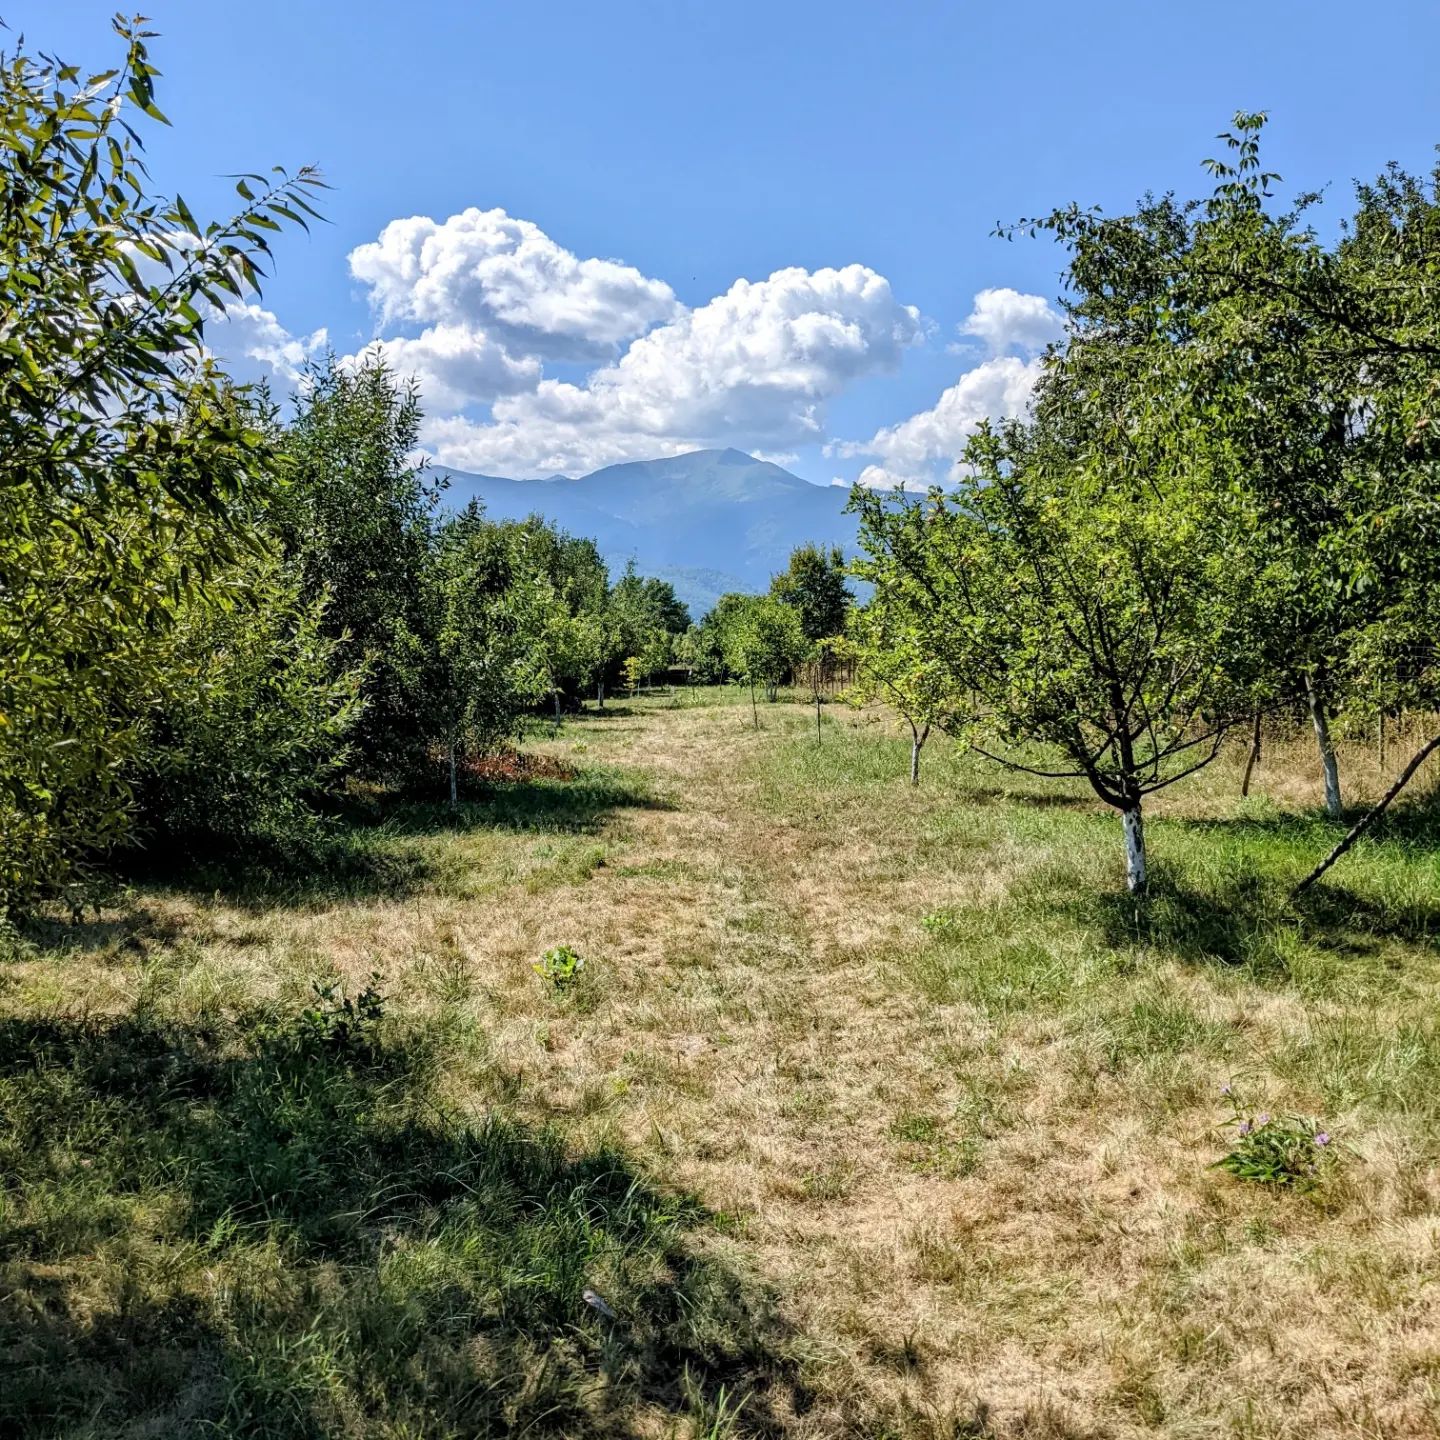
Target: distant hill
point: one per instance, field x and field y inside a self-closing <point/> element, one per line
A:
<point x="709" y="521"/>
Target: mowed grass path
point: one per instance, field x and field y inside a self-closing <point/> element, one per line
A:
<point x="875" y="1112"/>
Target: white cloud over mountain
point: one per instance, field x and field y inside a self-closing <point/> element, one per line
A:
<point x="456" y="366"/>
<point x="482" y="306"/>
<point x="926" y="447"/>
<point x="753" y="367"/>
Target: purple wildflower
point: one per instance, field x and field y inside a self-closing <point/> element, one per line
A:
<point x="1263" y="1118"/>
<point x="1323" y="1138"/>
<point x="1245" y="1128"/>
<point x="1224" y="1089"/>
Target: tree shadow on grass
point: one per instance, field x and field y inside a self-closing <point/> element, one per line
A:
<point x="1416" y="823"/>
<point x="590" y="715"/>
<point x="283" y="1232"/>
<point x="565" y="807"/>
<point x="374" y="847"/>
<point x="1035" y="799"/>
<point x="1246" y="919"/>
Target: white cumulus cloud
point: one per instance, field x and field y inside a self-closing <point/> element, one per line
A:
<point x="453" y="364"/>
<point x="753" y="367"/>
<point x="927" y="446"/>
<point x="247" y="329"/>
<point x="1007" y="320"/>
<point x="507" y="279"/>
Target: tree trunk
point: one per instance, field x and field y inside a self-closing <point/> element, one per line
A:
<point x="817" y="717"/>
<point x="1382" y="739"/>
<point x="917" y="740"/>
<point x="454" y="791"/>
<point x="1134" y="823"/>
<point x="600" y="693"/>
<point x="754" y="707"/>
<point x="1318" y="718"/>
<point x="1367" y="819"/>
<point x="1254" y="758"/>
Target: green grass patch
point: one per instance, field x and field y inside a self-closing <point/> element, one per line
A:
<point x="280" y="1229"/>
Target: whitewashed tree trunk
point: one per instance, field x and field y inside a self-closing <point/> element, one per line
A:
<point x="600" y="693"/>
<point x="1134" y="823"/>
<point x="1321" y="722"/>
<point x="454" y="789"/>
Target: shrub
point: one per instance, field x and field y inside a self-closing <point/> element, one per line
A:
<point x="252" y="727"/>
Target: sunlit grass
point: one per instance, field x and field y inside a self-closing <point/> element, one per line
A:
<point x="874" y="1111"/>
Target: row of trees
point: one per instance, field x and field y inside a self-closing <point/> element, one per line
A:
<point x="763" y="640"/>
<point x="1223" y="504"/>
<point x="211" y="616"/>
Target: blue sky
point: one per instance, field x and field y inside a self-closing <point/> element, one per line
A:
<point x="846" y="161"/>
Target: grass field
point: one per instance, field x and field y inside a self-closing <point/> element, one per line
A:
<point x="873" y="1112"/>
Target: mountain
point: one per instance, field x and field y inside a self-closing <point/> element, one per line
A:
<point x="708" y="522"/>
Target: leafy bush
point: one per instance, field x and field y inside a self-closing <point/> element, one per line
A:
<point x="256" y="715"/>
<point x="356" y="522"/>
<point x="122" y="441"/>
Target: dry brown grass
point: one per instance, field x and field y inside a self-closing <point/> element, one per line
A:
<point x="976" y="1164"/>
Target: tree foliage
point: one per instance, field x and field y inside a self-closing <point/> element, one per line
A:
<point x="355" y="520"/>
<point x="814" y="583"/>
<point x="764" y="642"/>
<point x="124" y="445"/>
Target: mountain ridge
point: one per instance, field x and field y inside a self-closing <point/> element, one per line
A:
<point x="707" y="520"/>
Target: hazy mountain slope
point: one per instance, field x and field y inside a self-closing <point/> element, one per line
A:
<point x="709" y="521"/>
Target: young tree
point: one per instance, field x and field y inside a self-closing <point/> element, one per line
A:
<point x="893" y="665"/>
<point x="711" y="639"/>
<point x="124" y="445"/>
<point x="356" y="523"/>
<point x="644" y="615"/>
<point x="571" y="632"/>
<point x="1290" y="370"/>
<point x="764" y="645"/>
<point x="1086" y="598"/>
<point x="490" y="599"/>
<point x="255" y="717"/>
<point x="814" y="584"/>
